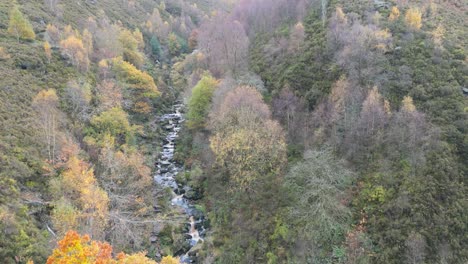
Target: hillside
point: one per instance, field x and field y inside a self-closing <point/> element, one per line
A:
<point x="204" y="131"/>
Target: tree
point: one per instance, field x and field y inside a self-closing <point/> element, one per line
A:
<point x="225" y="44"/>
<point x="73" y="48"/>
<point x="362" y="52"/>
<point x="76" y="248"/>
<point x="316" y="212"/>
<point x="246" y="143"/>
<point x="113" y="122"/>
<point x="140" y="85"/>
<point x="288" y="107"/>
<point x="78" y="98"/>
<point x="200" y="102"/>
<point x="123" y="258"/>
<point x="46" y="103"/>
<point x="52" y="35"/>
<point x="367" y="135"/>
<point x="19" y="26"/>
<point x="124" y="175"/>
<point x="88" y="42"/>
<point x="109" y="94"/>
<point x="415" y="248"/>
<point x="131" y="42"/>
<point x="174" y="45"/>
<point x="438" y="35"/>
<point x="413" y="18"/>
<point x="48" y="51"/>
<point x="170" y="260"/>
<point x="394" y="14"/>
<point x="155" y="47"/>
<point x="296" y="37"/>
<point x="193" y="39"/>
<point x="78" y="186"/>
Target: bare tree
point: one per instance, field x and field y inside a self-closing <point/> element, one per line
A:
<point x="225" y="45"/>
<point x="415" y="248"/>
<point x="45" y="103"/>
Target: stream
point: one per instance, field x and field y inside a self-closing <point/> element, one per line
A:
<point x="167" y="170"/>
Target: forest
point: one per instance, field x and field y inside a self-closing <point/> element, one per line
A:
<point x="234" y="131"/>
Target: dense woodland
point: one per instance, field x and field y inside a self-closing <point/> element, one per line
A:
<point x="317" y="131"/>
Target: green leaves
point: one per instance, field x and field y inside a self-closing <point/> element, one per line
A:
<point x="200" y="102"/>
<point x="19" y="26"/>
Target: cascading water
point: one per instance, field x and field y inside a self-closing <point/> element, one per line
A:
<point x="167" y="169"/>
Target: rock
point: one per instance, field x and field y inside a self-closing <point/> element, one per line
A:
<point x="193" y="195"/>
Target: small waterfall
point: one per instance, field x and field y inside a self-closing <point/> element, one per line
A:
<point x="167" y="169"/>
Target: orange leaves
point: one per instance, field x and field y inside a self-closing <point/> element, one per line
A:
<point x="75" y="248"/>
<point x="83" y="203"/>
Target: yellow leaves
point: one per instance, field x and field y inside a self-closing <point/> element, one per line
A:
<point x="141" y="84"/>
<point x="133" y="77"/>
<point x="78" y="177"/>
<point x="113" y="122"/>
<point x="46" y="97"/>
<point x="4" y="54"/>
<point x="170" y="260"/>
<point x="81" y="191"/>
<point x="64" y="216"/>
<point x="52" y="34"/>
<point x="74" y="49"/>
<point x="139" y="38"/>
<point x="47" y="51"/>
<point x="131" y="43"/>
<point x="407" y="104"/>
<point x="413" y="18"/>
<point x="88" y="41"/>
<point x="387" y="108"/>
<point x="438" y="35"/>
<point x="383" y="34"/>
<point x="340" y="15"/>
<point x="247" y="143"/>
<point x="137" y="258"/>
<point x="373" y="99"/>
<point x="394" y="14"/>
<point x="149" y="26"/>
<point x="382" y="37"/>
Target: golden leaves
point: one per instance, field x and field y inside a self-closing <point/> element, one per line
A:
<point x="413" y="18"/>
<point x="394" y="14"/>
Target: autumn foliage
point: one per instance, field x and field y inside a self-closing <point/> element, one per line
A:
<point x="413" y="18"/>
<point x="141" y="86"/>
<point x="75" y="248"/>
